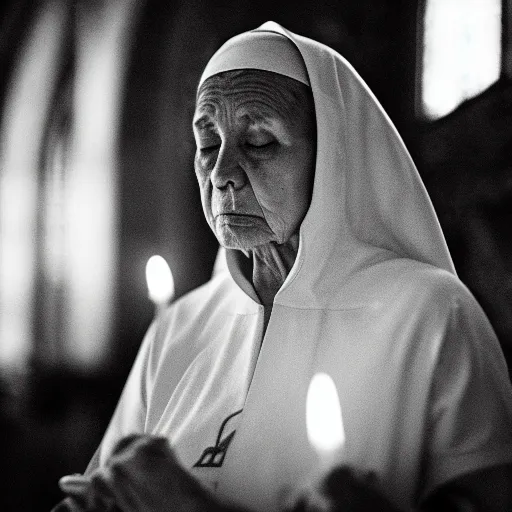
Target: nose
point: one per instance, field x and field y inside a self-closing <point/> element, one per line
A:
<point x="227" y="170"/>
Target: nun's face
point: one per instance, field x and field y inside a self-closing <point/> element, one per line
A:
<point x="256" y="146"/>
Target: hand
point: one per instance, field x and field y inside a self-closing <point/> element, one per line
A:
<point x="142" y="474"/>
<point x="341" y="491"/>
<point x="85" y="494"/>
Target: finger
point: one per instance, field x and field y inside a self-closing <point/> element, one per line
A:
<point x="100" y="495"/>
<point x="371" y="479"/>
<point x="125" y="442"/>
<point x="136" y="446"/>
<point x="152" y="445"/>
<point x="74" y="484"/>
<point x="127" y="492"/>
<point x="338" y="481"/>
<point x="143" y="454"/>
<point x="156" y="444"/>
<point x="68" y="505"/>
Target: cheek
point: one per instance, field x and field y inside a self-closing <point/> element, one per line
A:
<point x="205" y="187"/>
<point x="284" y="190"/>
<point x="300" y="176"/>
<point x="279" y="183"/>
<point x="202" y="170"/>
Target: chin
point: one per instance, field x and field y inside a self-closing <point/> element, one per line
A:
<point x="243" y="238"/>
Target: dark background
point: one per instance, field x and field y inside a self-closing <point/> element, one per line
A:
<point x="52" y="415"/>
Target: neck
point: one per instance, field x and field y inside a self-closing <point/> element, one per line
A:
<point x="271" y="264"/>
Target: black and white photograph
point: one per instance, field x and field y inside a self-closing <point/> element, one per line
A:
<point x="256" y="256"/>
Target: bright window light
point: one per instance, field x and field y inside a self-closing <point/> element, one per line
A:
<point x="26" y="109"/>
<point x="462" y="52"/>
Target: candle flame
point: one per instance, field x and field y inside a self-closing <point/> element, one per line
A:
<point x="159" y="279"/>
<point x="324" y="422"/>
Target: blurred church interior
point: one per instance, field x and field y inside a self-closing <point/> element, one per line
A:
<point x="96" y="176"/>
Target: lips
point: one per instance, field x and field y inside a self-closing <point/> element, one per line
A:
<point x="238" y="219"/>
<point x="236" y="214"/>
<point x="233" y="208"/>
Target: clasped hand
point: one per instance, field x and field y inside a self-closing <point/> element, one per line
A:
<point x="144" y="475"/>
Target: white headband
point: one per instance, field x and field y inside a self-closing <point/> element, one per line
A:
<point x="258" y="49"/>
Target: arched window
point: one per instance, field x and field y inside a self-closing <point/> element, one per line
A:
<point x="461" y="52"/>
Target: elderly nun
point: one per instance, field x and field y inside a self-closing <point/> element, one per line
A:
<point x="333" y="262"/>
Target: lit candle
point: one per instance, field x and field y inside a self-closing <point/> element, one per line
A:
<point x="160" y="282"/>
<point x="324" y="423"/>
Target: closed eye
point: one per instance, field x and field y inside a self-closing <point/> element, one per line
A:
<point x="209" y="149"/>
<point x="260" y="146"/>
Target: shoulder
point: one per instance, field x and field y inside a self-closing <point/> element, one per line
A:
<point x="438" y="303"/>
<point x="200" y="313"/>
<point x="220" y="295"/>
<point x="217" y="290"/>
<point x="420" y="284"/>
<point x="426" y="298"/>
<point x="169" y="333"/>
<point x="212" y="297"/>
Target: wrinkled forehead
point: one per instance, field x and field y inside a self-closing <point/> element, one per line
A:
<point x="258" y="49"/>
<point x="255" y="95"/>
